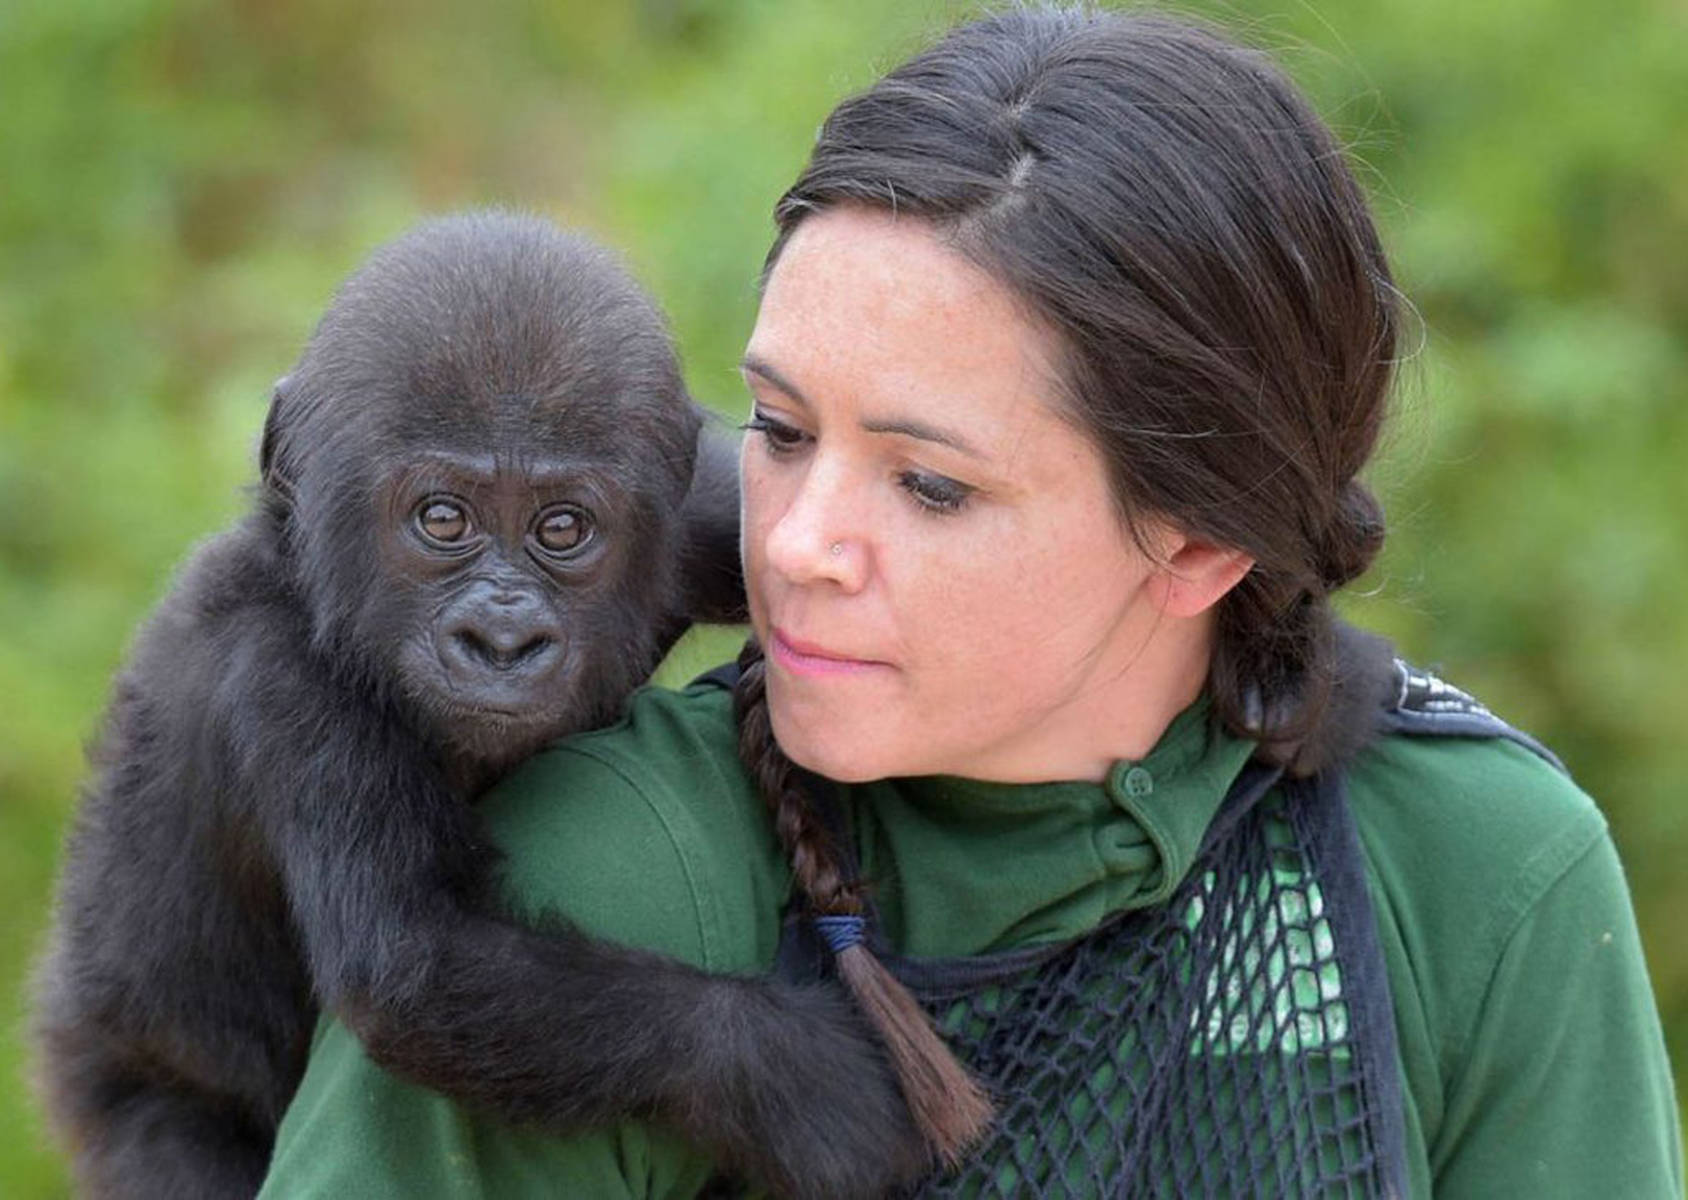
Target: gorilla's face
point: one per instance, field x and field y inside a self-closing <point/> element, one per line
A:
<point x="513" y="591"/>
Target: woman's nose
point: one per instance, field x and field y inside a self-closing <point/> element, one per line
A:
<point x="817" y="537"/>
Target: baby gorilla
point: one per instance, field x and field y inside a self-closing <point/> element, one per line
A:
<point x="468" y="540"/>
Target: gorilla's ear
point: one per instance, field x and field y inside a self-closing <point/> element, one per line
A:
<point x="711" y="578"/>
<point x="270" y="466"/>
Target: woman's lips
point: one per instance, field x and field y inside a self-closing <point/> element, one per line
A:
<point x="805" y="658"/>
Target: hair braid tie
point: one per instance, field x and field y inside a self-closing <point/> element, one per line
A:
<point x="840" y="933"/>
<point x="949" y="1107"/>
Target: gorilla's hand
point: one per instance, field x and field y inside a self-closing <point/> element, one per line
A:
<point x="814" y="1109"/>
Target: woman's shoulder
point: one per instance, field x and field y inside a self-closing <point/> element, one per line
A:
<point x="1515" y="969"/>
<point x="1469" y="840"/>
<point x="662" y="735"/>
<point x="1481" y="819"/>
<point x="647" y="832"/>
<point x="1466" y="826"/>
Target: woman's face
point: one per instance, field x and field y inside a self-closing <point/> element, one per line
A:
<point x="936" y="569"/>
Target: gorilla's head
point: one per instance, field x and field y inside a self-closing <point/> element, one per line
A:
<point x="478" y="462"/>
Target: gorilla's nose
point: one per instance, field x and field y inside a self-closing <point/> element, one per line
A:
<point x="506" y="631"/>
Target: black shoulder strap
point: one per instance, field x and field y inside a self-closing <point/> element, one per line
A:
<point x="1427" y="706"/>
<point x="724" y="676"/>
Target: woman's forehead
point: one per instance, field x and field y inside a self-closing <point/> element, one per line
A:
<point x="877" y="311"/>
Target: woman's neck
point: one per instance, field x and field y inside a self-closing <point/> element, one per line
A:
<point x="1119" y="710"/>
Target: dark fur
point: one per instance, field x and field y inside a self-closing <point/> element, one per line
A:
<point x="278" y="818"/>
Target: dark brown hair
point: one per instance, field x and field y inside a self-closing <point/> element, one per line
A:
<point x="1170" y="206"/>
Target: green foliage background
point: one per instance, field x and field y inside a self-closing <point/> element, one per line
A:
<point x="184" y="182"/>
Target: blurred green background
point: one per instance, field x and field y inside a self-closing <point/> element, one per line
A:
<point x="185" y="181"/>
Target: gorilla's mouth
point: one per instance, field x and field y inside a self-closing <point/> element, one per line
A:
<point x="493" y="713"/>
<point x="517" y="700"/>
<point x="496" y="705"/>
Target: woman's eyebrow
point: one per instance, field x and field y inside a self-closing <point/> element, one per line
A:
<point x="902" y="427"/>
<point x="926" y="433"/>
<point x="756" y="366"/>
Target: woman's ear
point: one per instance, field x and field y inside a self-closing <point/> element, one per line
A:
<point x="1195" y="575"/>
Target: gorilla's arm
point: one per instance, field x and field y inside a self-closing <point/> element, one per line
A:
<point x="552" y="1028"/>
<point x="463" y="548"/>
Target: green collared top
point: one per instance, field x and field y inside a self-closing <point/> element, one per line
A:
<point x="1021" y="865"/>
<point x="1531" y="1057"/>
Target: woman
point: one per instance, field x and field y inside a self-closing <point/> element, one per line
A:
<point x="1073" y="339"/>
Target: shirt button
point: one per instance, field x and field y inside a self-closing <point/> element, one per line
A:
<point x="1138" y="782"/>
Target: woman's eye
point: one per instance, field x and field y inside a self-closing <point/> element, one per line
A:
<point x="563" y="529"/>
<point x="780" y="437"/>
<point x="936" y="493"/>
<point x="443" y="521"/>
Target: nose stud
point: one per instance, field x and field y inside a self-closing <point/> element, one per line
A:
<point x="835" y="549"/>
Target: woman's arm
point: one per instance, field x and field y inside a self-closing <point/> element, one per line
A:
<point x="1565" y="1089"/>
<point x="1534" y="1061"/>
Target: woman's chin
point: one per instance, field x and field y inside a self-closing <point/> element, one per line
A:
<point x="836" y="753"/>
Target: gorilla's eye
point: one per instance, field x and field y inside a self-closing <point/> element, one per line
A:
<point x="563" y="529"/>
<point x="443" y="521"/>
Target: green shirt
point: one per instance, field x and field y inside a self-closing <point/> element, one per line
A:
<point x="1531" y="1056"/>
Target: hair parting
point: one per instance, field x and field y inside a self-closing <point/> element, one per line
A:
<point x="950" y="1108"/>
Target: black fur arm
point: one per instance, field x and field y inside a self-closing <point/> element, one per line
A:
<point x="555" y="1029"/>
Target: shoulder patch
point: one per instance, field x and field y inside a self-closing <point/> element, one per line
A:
<point x="1420" y="691"/>
<point x="1427" y="705"/>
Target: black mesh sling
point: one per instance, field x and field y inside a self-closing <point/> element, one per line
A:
<point x="1237" y="1041"/>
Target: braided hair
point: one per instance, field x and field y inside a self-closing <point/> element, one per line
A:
<point x="948" y="1106"/>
